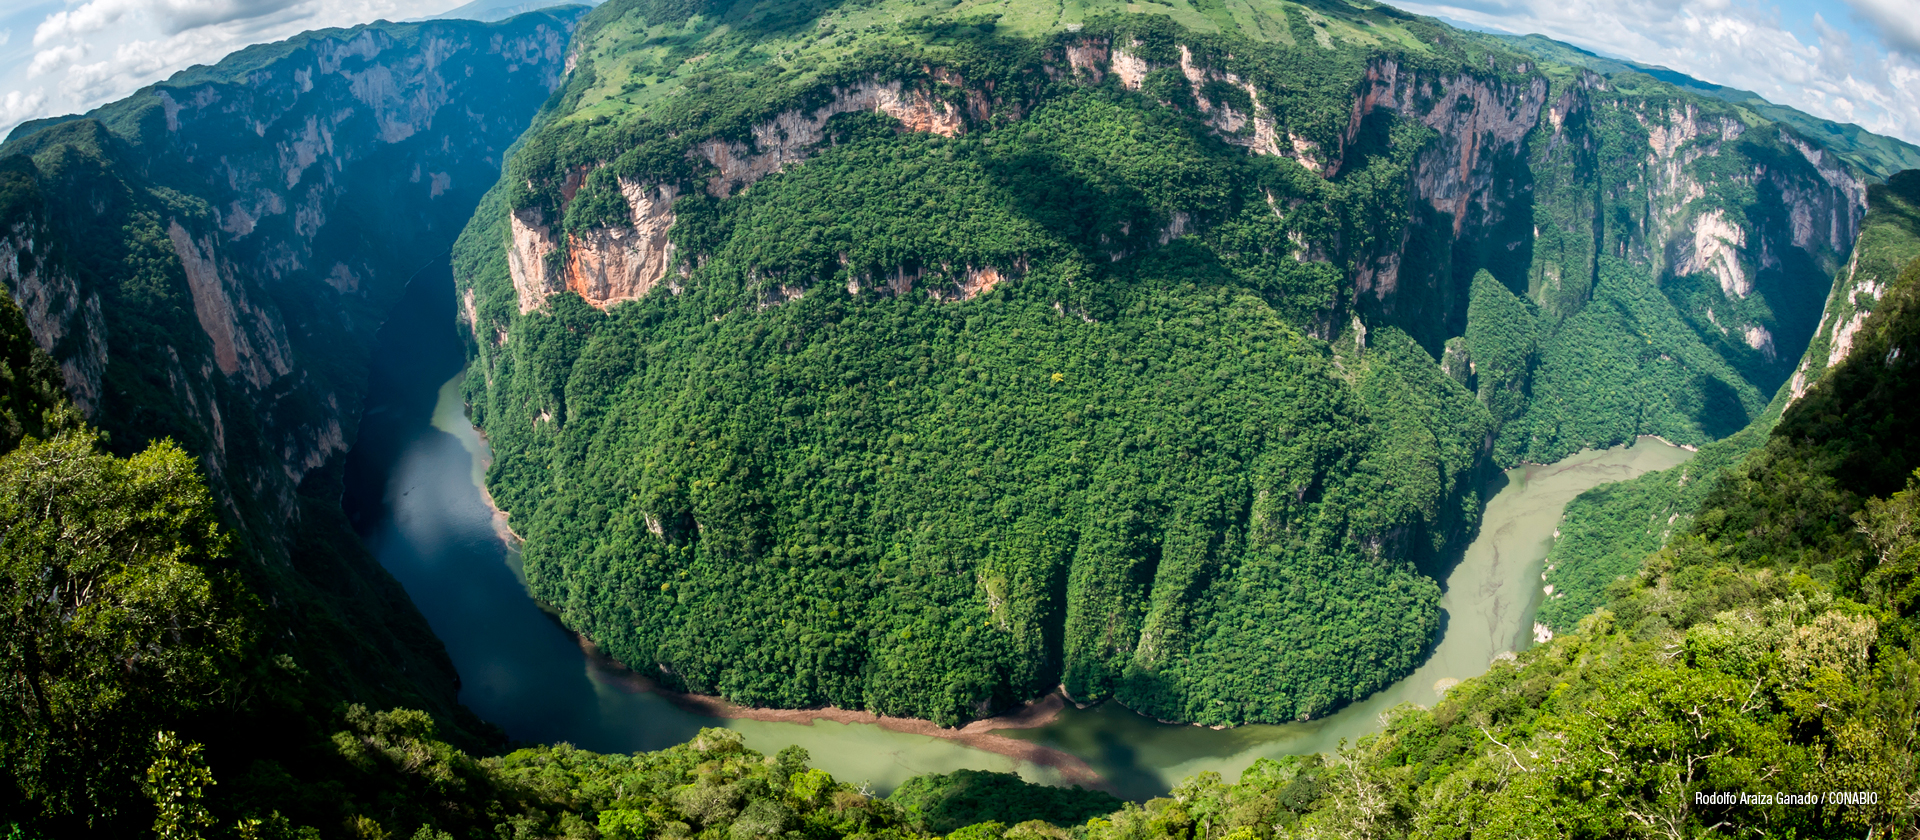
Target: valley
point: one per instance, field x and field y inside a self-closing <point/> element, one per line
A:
<point x="930" y="366"/>
<point x="752" y="420"/>
<point x="431" y="525"/>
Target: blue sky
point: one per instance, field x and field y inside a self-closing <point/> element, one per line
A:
<point x="1847" y="60"/>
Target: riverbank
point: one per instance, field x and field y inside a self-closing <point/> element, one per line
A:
<point x="521" y="668"/>
<point x="450" y="416"/>
<point x="980" y="734"/>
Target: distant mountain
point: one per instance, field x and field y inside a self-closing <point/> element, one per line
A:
<point x="491" y="10"/>
<point x="1876" y="155"/>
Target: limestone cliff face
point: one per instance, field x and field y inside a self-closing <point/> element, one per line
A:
<point x="1884" y="246"/>
<point x="612" y="263"/>
<point x="323" y="178"/>
<point x="1473" y="175"/>
<point x="249" y="342"/>
<point x="66" y="322"/>
<point x="791" y="136"/>
<point x="1507" y="155"/>
<point x="1823" y="202"/>
<point x="605" y="264"/>
<point x="1801" y="216"/>
<point x="210" y="258"/>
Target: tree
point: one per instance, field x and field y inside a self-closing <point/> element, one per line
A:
<point x="115" y="619"/>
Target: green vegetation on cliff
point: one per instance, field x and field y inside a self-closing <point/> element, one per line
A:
<point x="1000" y="347"/>
<point x="943" y="803"/>
<point x="1769" y="651"/>
<point x="1127" y="468"/>
<point x="207" y="260"/>
<point x="1609" y="529"/>
<point x="1769" y="648"/>
<point x="139" y="696"/>
<point x="1178" y="454"/>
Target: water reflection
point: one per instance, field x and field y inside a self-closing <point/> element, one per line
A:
<point x="414" y="492"/>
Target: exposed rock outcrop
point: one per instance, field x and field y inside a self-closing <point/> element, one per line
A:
<point x="791" y="136"/>
<point x="1857" y="289"/>
<point x="310" y="126"/>
<point x="247" y="340"/>
<point x="66" y="322"/>
<point x="321" y="178"/>
<point x="1479" y="122"/>
<point x="604" y="265"/>
<point x="948" y="285"/>
<point x="529" y="244"/>
<point x="609" y="264"/>
<point x="1715" y="249"/>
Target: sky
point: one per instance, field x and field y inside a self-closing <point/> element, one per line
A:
<point x="1852" y="61"/>
<point x="69" y="56"/>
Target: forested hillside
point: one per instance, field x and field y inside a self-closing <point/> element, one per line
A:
<point x="142" y="693"/>
<point x="920" y="358"/>
<point x="1767" y="649"/>
<point x="923" y="357"/>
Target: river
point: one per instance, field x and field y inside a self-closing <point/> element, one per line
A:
<point x="415" y="493"/>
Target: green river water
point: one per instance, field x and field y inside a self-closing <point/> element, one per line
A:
<point x="416" y="492"/>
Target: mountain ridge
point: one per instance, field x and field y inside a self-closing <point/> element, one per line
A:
<point x="671" y="198"/>
<point x="1220" y="379"/>
<point x="206" y="262"/>
<point x="1877" y="155"/>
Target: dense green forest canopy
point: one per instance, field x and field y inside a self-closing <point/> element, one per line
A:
<point x="1769" y="648"/>
<point x="945" y="802"/>
<point x="140" y="698"/>
<point x="1075" y="390"/>
<point x="1137" y="475"/>
<point x="1169" y="459"/>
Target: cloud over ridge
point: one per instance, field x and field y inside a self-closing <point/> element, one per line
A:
<point x="1840" y="71"/>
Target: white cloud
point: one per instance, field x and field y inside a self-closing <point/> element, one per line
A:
<point x="47" y="61"/>
<point x="5" y="36"/>
<point x="17" y="107"/>
<point x="1741" y="44"/>
<point x="85" y="20"/>
<point x="171" y="16"/>
<point x="182" y="15"/>
<point x="1898" y="21"/>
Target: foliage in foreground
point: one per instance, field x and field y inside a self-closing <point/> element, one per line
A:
<point x="1768" y="650"/>
<point x="942" y="803"/>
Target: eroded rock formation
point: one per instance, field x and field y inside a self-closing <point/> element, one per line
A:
<point x="325" y="177"/>
<point x="66" y="322"/>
